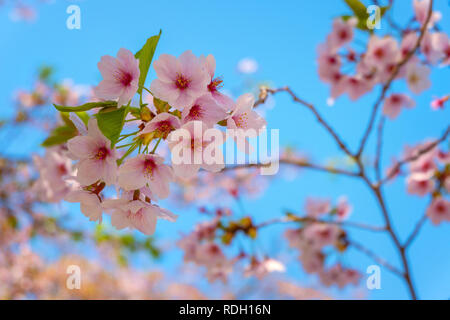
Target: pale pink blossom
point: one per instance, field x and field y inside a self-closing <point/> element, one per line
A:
<point x="342" y="33"/>
<point x="195" y="150"/>
<point x="180" y="80"/>
<point x="337" y="275"/>
<point x="163" y="124"/>
<point x="215" y="84"/>
<point x="432" y="45"/>
<point x="381" y="51"/>
<point x="54" y="168"/>
<point x="421" y="11"/>
<point x="315" y="207"/>
<point x="420" y="187"/>
<point x="136" y="214"/>
<point x="395" y="102"/>
<point x="312" y="261"/>
<point x="409" y="41"/>
<point x="146" y="170"/>
<point x="319" y="235"/>
<point x="417" y="77"/>
<point x="120" y="77"/>
<point x="97" y="158"/>
<point x="439" y="210"/>
<point x="204" y="109"/>
<point x="343" y="208"/>
<point x="329" y="64"/>
<point x="90" y="204"/>
<point x="243" y="115"/>
<point x="356" y="87"/>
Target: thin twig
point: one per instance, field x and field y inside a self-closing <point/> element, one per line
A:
<point x="264" y="94"/>
<point x="378" y="154"/>
<point x="307" y="219"/>
<point x="416" y="230"/>
<point x="375" y="257"/>
<point x="299" y="163"/>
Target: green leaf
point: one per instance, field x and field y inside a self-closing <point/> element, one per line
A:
<point x="145" y="56"/>
<point x="111" y="123"/>
<point x="86" y="106"/>
<point x="358" y="8"/>
<point x="60" y="135"/>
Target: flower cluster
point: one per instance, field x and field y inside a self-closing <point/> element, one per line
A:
<point x="382" y="60"/>
<point x="185" y="100"/>
<point x="429" y="174"/>
<point x="316" y="234"/>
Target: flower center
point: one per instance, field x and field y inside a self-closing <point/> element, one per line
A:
<point x="195" y="113"/>
<point x="149" y="167"/>
<point x="379" y="53"/>
<point x="102" y="153"/>
<point x="215" y="84"/>
<point x="241" y="120"/>
<point x="124" y="78"/>
<point x="165" y="127"/>
<point x="181" y="82"/>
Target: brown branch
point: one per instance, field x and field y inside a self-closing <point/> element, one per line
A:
<point x="387" y="85"/>
<point x="307" y="219"/>
<point x="416" y="230"/>
<point x="299" y="163"/>
<point x="379" y="149"/>
<point x="376" y="258"/>
<point x="264" y="92"/>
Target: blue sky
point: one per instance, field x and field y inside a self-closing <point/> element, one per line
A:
<point x="282" y="36"/>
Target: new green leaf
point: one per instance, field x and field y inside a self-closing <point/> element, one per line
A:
<point x="111" y="123"/>
<point x="145" y="56"/>
<point x="86" y="106"/>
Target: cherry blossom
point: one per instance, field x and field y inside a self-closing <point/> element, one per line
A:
<point x="146" y="170"/>
<point x="417" y="76"/>
<point x="197" y="151"/>
<point x="180" y="80"/>
<point x="120" y="77"/>
<point x="90" y="204"/>
<point x="439" y="210"/>
<point x="97" y="158"/>
<point x="216" y="83"/>
<point x="421" y="11"/>
<point x="394" y="103"/>
<point x="204" y="109"/>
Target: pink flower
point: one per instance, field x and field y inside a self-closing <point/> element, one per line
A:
<point x="394" y="103"/>
<point x="163" y="124"/>
<point x="342" y="33"/>
<point x="381" y="51"/>
<point x="439" y="103"/>
<point x="146" y="170"/>
<point x="215" y="84"/>
<point x="439" y="210"/>
<point x="432" y="45"/>
<point x="319" y="235"/>
<point x="343" y="208"/>
<point x="180" y="81"/>
<point x="312" y="261"/>
<point x="420" y="187"/>
<point x="409" y="41"/>
<point x="356" y="87"/>
<point x="339" y="276"/>
<point x="90" y="204"/>
<point x="421" y="10"/>
<point x="204" y="109"/>
<point x="317" y="207"/>
<point x="97" y="159"/>
<point x="53" y="169"/>
<point x="329" y="64"/>
<point x="417" y="77"/>
<point x="120" y="77"/>
<point x="136" y="214"/>
<point x="195" y="150"/>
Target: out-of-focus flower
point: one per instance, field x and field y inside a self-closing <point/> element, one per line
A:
<point x="247" y="66"/>
<point x="439" y="210"/>
<point x="395" y="102"/>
